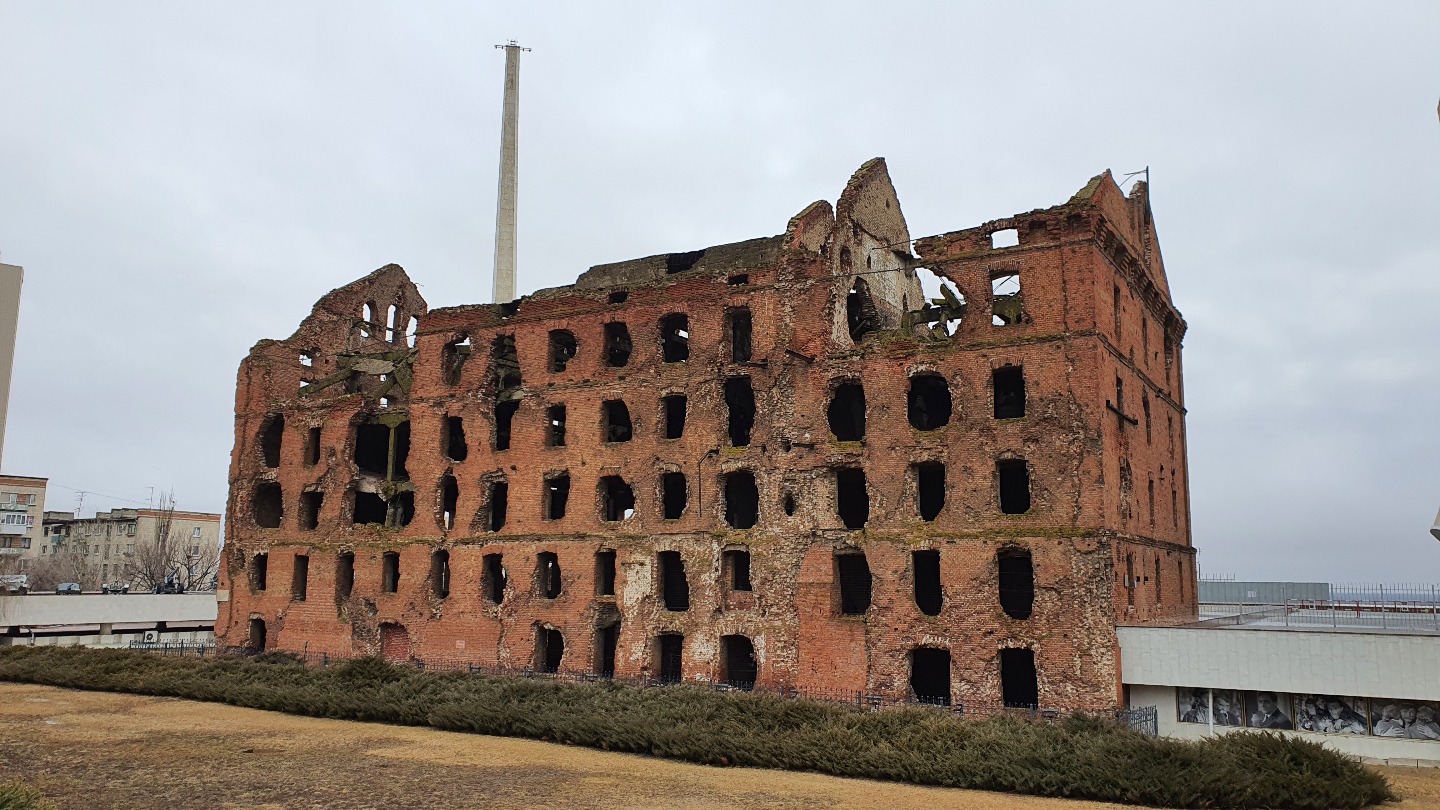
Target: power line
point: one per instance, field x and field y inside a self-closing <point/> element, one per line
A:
<point x="99" y="494"/>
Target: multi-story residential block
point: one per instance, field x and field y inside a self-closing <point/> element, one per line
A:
<point x="22" y="504"/>
<point x="138" y="547"/>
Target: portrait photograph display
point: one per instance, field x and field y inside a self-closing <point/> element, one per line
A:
<point x="1408" y="719"/>
<point x="1331" y="714"/>
<point x="1268" y="710"/>
<point x="1192" y="705"/>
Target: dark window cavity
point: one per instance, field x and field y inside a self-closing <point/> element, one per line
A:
<point x="930" y="489"/>
<point x="300" y="578"/>
<point x="1007" y="307"/>
<point x="498" y="504"/>
<point x="680" y="262"/>
<point x="928" y="403"/>
<point x="673" y="495"/>
<point x="675" y="338"/>
<point x="383" y="450"/>
<point x="504" y="421"/>
<point x="740" y="410"/>
<point x="549" y="649"/>
<point x="1118" y="330"/>
<point x="852" y="573"/>
<point x="674" y="405"/>
<point x="440" y="573"/>
<point x="617" y="344"/>
<point x="605" y="572"/>
<point x="736" y="565"/>
<point x="390" y="572"/>
<point x="861" y="316"/>
<point x="739" y="328"/>
<point x="928" y="594"/>
<point x="738" y="280"/>
<point x="505" y="365"/>
<point x="1152" y="501"/>
<point x="852" y="497"/>
<point x="1145" y="406"/>
<point x="742" y="500"/>
<point x="674" y="587"/>
<point x="547" y="575"/>
<point x="847" y="412"/>
<point x="555" y="422"/>
<point x="607" y="642"/>
<point x="269" y="508"/>
<point x="455" y="447"/>
<point x="449" y="501"/>
<point x="738" y="655"/>
<point x="402" y="509"/>
<point x="787" y="503"/>
<point x="312" y="447"/>
<point x="310" y="503"/>
<point x="344" y="575"/>
<point x="1014" y="486"/>
<point x="616" y="417"/>
<point x="562" y="349"/>
<point x="272" y="435"/>
<point x="618" y="297"/>
<point x="1017" y="582"/>
<point x="1009" y="385"/>
<point x="670" y="650"/>
<point x="256" y="641"/>
<point x="259" y="571"/>
<point x="369" y="508"/>
<point x="492" y="578"/>
<point x="1130" y="579"/>
<point x="930" y="675"/>
<point x="557" y="496"/>
<point x="1018" y="685"/>
<point x="617" y="500"/>
<point x="453" y="357"/>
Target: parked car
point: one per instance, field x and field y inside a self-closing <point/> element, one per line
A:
<point x="115" y="587"/>
<point x="68" y="587"/>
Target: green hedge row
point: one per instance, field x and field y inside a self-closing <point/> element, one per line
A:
<point x="1077" y="758"/>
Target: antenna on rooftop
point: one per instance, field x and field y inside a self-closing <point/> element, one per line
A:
<point x="504" y="290"/>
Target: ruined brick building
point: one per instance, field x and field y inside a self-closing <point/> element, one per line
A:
<point x="773" y="461"/>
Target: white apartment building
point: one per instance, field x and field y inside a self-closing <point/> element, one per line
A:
<point x="111" y="545"/>
<point x="22" y="506"/>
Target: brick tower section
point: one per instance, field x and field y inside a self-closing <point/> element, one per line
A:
<point x="774" y="461"/>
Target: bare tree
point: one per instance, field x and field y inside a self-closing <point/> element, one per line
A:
<point x="65" y="565"/>
<point x="170" y="559"/>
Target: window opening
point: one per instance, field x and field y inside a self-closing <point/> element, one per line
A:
<point x="1007" y="306"/>
<point x="390" y="324"/>
<point x="670" y="649"/>
<point x="674" y="587"/>
<point x="312" y="447"/>
<point x="741" y="669"/>
<point x="549" y="648"/>
<point x="310" y="503"/>
<point x="680" y="262"/>
<point x="455" y="447"/>
<point x="675" y="338"/>
<point x="1014" y="486"/>
<point x="740" y="407"/>
<point x="555" y="418"/>
<point x="344" y="575"/>
<point x="402" y="509"/>
<point x="930" y="675"/>
<point x="499" y="505"/>
<point x="504" y="422"/>
<point x="1174" y="506"/>
<point x="440" y="573"/>
<point x="1016" y="582"/>
<point x="1130" y="579"/>
<point x="738" y="280"/>
<point x="618" y="297"/>
<point x="453" y="357"/>
<point x="411" y="329"/>
<point x="930" y="489"/>
<point x="736" y="563"/>
<point x="1157" y="581"/>
<point x="390" y="572"/>
<point x="929" y="595"/>
<point x="861" y="316"/>
<point x="617" y="344"/>
<point x="271" y="436"/>
<point x="307" y="358"/>
<point x="944" y="305"/>
<point x="847" y="412"/>
<point x="928" y="405"/>
<point x="617" y="420"/>
<point x="562" y="348"/>
<point x="1009" y="237"/>
<point x="788" y="504"/>
<point x="269" y="508"/>
<point x="547" y="574"/>
<point x="557" y="496"/>
<point x="1018" y="685"/>
<point x="449" y="500"/>
<point x="605" y="572"/>
<point x="607" y="642"/>
<point x="740" y="327"/>
<point x="673" y="495"/>
<point x="259" y="571"/>
<point x="1151" y="501"/>
<point x="383" y="450"/>
<point x="505" y="365"/>
<point x="1145" y="339"/>
<point x="492" y="578"/>
<point x="369" y="508"/>
<point x="256" y="642"/>
<point x="371" y="319"/>
<point x="1009" y="385"/>
<point x="853" y="574"/>
<point x="617" y="500"/>
<point x="674" y="405"/>
<point x="1145" y="406"/>
<point x="852" y="497"/>
<point x="742" y="500"/>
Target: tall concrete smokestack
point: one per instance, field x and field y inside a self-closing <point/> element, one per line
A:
<point x="504" y="290"/>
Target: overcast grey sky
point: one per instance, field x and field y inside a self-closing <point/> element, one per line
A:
<point x="181" y="180"/>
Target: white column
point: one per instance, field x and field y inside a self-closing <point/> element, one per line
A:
<point x="504" y="290"/>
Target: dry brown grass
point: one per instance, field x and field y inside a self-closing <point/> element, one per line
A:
<point x="102" y="750"/>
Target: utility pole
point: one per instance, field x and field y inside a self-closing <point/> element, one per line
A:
<point x="504" y="290"/>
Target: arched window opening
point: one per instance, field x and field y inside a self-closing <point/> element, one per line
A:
<point x="547" y="575"/>
<point x="440" y="573"/>
<point x="860" y="313"/>
<point x="449" y="501"/>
